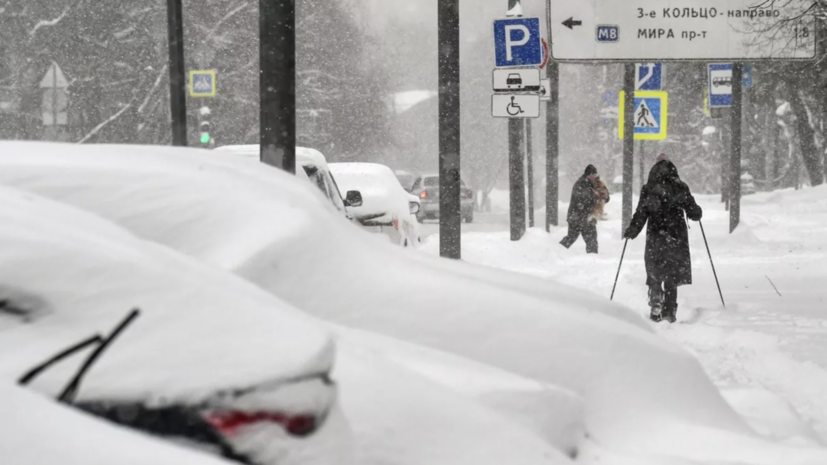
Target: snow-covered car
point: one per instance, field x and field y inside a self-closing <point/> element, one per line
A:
<point x="36" y="430"/>
<point x="315" y="167"/>
<point x="386" y="207"/>
<point x="392" y="409"/>
<point x="645" y="399"/>
<point x="427" y="189"/>
<point x="156" y="341"/>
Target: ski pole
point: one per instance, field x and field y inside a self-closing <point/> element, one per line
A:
<point x="618" y="268"/>
<point x="713" y="264"/>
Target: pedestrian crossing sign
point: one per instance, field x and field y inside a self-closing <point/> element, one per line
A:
<point x="202" y="83"/>
<point x="651" y="114"/>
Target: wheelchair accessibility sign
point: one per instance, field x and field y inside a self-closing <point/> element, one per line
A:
<point x="515" y="106"/>
<point x="651" y="115"/>
<point x="202" y="83"/>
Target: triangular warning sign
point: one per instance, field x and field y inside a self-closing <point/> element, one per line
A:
<point x="644" y="117"/>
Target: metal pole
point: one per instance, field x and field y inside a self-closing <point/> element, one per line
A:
<point x="516" y="179"/>
<point x="530" y="172"/>
<point x="628" y="142"/>
<point x="277" y="83"/>
<point x="177" y="81"/>
<point x="642" y="164"/>
<point x="450" y="220"/>
<point x="516" y="174"/>
<point x="552" y="145"/>
<point x="735" y="162"/>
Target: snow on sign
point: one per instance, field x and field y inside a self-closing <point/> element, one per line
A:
<point x="651" y="114"/>
<point x="657" y="30"/>
<point x="202" y="83"/>
<point x="518" y="42"/>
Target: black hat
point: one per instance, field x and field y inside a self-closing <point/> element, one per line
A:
<point x="591" y="170"/>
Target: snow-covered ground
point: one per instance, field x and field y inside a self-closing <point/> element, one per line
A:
<point x="596" y="370"/>
<point x="767" y="351"/>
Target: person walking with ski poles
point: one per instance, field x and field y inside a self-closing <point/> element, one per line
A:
<point x="663" y="202"/>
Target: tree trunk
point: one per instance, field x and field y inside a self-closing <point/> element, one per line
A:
<point x="806" y="139"/>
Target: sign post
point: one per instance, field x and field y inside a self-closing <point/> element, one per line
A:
<point x="177" y="84"/>
<point x="552" y="146"/>
<point x="277" y="84"/>
<point x="518" y="43"/>
<point x="627" y="127"/>
<point x="696" y="30"/>
<point x="450" y="217"/>
<point x="735" y="162"/>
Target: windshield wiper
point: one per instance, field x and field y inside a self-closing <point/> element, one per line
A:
<point x="70" y="391"/>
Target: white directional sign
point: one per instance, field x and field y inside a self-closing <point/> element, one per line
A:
<point x="517" y="80"/>
<point x="658" y="30"/>
<point x="515" y="106"/>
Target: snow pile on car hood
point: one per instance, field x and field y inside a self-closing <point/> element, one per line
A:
<point x="642" y="394"/>
<point x="71" y="275"/>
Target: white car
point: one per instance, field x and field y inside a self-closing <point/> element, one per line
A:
<point x="157" y="341"/>
<point x="314" y="167"/>
<point x="266" y="230"/>
<point x="386" y="207"/>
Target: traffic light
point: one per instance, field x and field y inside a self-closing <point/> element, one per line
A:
<point x="204" y="126"/>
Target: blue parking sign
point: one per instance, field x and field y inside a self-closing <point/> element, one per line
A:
<point x="518" y="42"/>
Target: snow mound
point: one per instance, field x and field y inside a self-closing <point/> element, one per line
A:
<point x="534" y="328"/>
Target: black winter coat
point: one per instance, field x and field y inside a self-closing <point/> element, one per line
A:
<point x="663" y="201"/>
<point x="583" y="200"/>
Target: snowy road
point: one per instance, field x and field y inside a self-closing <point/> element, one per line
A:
<point x="768" y="348"/>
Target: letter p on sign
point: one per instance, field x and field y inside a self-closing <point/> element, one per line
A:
<point x="510" y="43"/>
<point x="518" y="42"/>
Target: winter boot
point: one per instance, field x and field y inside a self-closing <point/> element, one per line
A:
<point x="670" y="313"/>
<point x="656" y="304"/>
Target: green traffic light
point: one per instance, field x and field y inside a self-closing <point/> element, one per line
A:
<point x="205" y="138"/>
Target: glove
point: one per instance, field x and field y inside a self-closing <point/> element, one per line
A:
<point x="628" y="234"/>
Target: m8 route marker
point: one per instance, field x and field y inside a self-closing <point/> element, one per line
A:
<point x="662" y="30"/>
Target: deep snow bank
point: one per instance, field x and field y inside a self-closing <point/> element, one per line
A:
<point x="268" y="229"/>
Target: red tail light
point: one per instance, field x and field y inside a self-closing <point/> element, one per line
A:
<point x="229" y="422"/>
<point x="423" y="195"/>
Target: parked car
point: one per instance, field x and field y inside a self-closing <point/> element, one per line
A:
<point x="314" y="167"/>
<point x="386" y="207"/>
<point x="427" y="189"/>
<point x="155" y="341"/>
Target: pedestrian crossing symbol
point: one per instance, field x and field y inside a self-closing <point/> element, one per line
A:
<point x="202" y="83"/>
<point x="650" y="117"/>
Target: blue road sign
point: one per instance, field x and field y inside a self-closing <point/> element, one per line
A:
<point x="747" y="81"/>
<point x="720" y="85"/>
<point x="518" y="42"/>
<point x="649" y="76"/>
<point x="650" y="117"/>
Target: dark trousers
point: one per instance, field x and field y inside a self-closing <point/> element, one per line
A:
<point x="669" y="290"/>
<point x="588" y="229"/>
